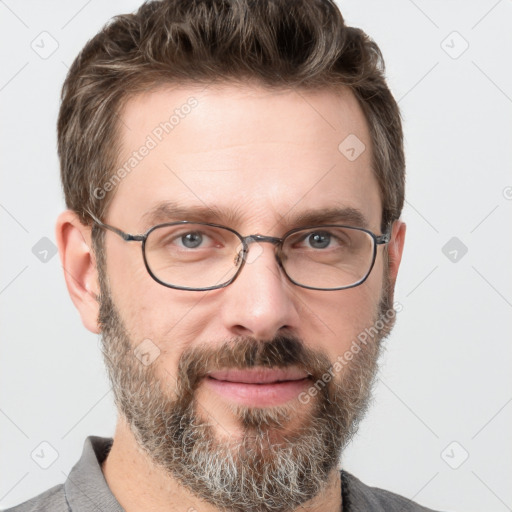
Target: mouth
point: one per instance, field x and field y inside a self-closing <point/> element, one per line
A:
<point x="260" y="387"/>
<point x="259" y="375"/>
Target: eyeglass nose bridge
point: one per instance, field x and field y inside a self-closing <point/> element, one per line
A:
<point x="251" y="239"/>
<point x="262" y="238"/>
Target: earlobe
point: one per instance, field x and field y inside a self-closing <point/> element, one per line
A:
<point x="79" y="265"/>
<point x="395" y="249"/>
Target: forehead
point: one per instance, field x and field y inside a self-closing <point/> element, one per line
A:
<point x="243" y="153"/>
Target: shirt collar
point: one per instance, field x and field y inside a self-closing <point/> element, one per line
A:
<point x="86" y="488"/>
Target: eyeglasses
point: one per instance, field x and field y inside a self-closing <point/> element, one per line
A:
<point x="200" y="256"/>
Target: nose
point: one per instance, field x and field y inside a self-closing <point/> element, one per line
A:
<point x="261" y="302"/>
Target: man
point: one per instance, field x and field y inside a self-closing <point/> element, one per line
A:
<point x="234" y="174"/>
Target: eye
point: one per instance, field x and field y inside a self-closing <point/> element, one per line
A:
<point x="191" y="240"/>
<point x="174" y="246"/>
<point x="319" y="239"/>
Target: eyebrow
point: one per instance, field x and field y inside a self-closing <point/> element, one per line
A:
<point x="169" y="211"/>
<point x="345" y="215"/>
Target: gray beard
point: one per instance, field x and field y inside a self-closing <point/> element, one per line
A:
<point x="269" y="468"/>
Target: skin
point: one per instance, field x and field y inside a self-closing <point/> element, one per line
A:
<point x="264" y="157"/>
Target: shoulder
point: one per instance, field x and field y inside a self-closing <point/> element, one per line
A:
<point x="361" y="497"/>
<point x="51" y="500"/>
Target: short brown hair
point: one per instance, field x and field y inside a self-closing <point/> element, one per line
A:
<point x="276" y="43"/>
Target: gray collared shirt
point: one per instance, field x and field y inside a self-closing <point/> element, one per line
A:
<point x="86" y="490"/>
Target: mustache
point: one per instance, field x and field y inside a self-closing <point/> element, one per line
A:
<point x="246" y="352"/>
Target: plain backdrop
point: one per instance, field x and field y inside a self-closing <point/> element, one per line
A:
<point x="439" y="428"/>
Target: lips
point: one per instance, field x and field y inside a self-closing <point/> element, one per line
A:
<point x="259" y="375"/>
<point x="258" y="387"/>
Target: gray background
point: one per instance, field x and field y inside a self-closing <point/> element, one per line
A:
<point x="437" y="430"/>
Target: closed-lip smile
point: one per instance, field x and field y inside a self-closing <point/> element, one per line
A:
<point x="259" y="375"/>
<point x="258" y="387"/>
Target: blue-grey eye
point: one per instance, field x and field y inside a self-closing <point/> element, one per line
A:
<point x="319" y="240"/>
<point x="192" y="240"/>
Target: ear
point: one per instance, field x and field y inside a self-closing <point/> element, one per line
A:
<point x="395" y="249"/>
<point x="79" y="264"/>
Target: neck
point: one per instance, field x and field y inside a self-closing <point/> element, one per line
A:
<point x="138" y="484"/>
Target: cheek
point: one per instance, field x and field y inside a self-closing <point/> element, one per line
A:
<point x="171" y="319"/>
<point x="333" y="320"/>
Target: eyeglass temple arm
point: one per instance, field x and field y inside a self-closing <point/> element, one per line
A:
<point x="125" y="236"/>
<point x="385" y="237"/>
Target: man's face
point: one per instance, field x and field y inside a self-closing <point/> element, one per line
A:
<point x="259" y="160"/>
